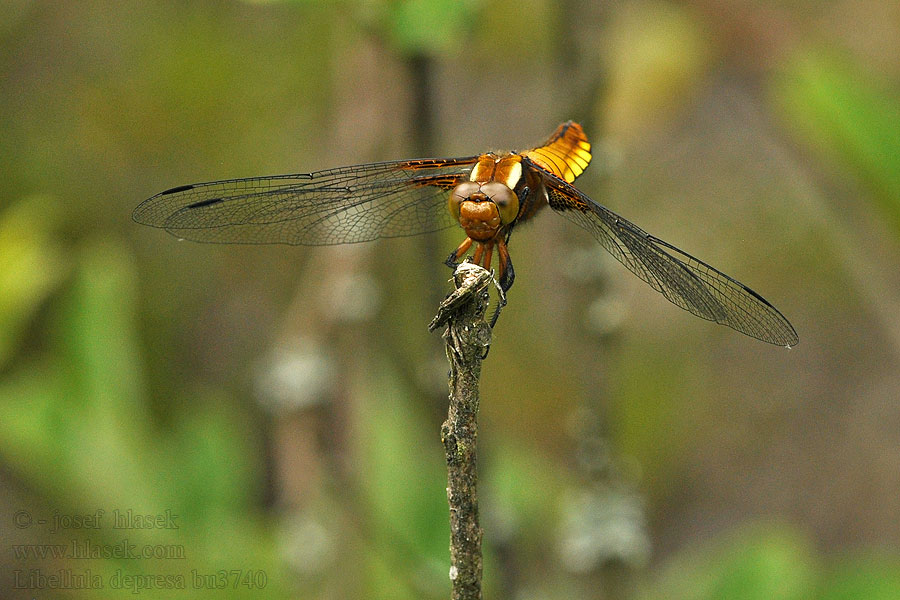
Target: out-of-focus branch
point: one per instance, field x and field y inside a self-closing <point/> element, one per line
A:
<point x="467" y="338"/>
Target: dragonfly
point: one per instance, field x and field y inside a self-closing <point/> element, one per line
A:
<point x="486" y="195"/>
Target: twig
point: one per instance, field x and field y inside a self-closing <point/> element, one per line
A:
<point x="467" y="337"/>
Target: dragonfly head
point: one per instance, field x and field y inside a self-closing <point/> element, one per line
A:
<point x="483" y="208"/>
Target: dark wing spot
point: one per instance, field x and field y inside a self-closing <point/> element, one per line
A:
<point x="563" y="129"/>
<point x="203" y="203"/>
<point x="175" y="190"/>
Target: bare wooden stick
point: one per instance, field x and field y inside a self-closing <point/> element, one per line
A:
<point x="467" y="338"/>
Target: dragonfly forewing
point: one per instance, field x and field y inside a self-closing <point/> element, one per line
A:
<point x="336" y="206"/>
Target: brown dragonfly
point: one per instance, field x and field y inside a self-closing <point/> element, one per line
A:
<point x="487" y="195"/>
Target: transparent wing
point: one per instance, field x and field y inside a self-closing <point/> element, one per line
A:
<point x="684" y="280"/>
<point x="335" y="206"/>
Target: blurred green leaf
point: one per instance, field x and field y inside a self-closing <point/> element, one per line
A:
<point x="87" y="419"/>
<point x="422" y="26"/>
<point x="864" y="578"/>
<point x="771" y="565"/>
<point x="106" y="416"/>
<point x="99" y="332"/>
<point x="79" y="427"/>
<point x="215" y="461"/>
<point x="522" y="489"/>
<point x="33" y="424"/>
<point x="768" y="562"/>
<point x="382" y="581"/>
<point x="847" y="117"/>
<point x="402" y="452"/>
<point x="32" y="264"/>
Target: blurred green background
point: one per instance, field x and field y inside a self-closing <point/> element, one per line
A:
<point x="285" y="403"/>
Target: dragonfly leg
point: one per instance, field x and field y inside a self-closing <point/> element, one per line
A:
<point x="483" y="254"/>
<point x="488" y="253"/>
<point x="501" y="302"/>
<point x="453" y="260"/>
<point x="479" y="252"/>
<point x="507" y="274"/>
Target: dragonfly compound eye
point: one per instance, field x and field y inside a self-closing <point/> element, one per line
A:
<point x="459" y="195"/>
<point x="505" y="199"/>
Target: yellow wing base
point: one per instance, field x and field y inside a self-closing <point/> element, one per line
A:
<point x="566" y="154"/>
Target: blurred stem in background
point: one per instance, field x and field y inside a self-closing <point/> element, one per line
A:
<point x="603" y="538"/>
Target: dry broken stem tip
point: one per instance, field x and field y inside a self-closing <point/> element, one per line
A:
<point x="467" y="336"/>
